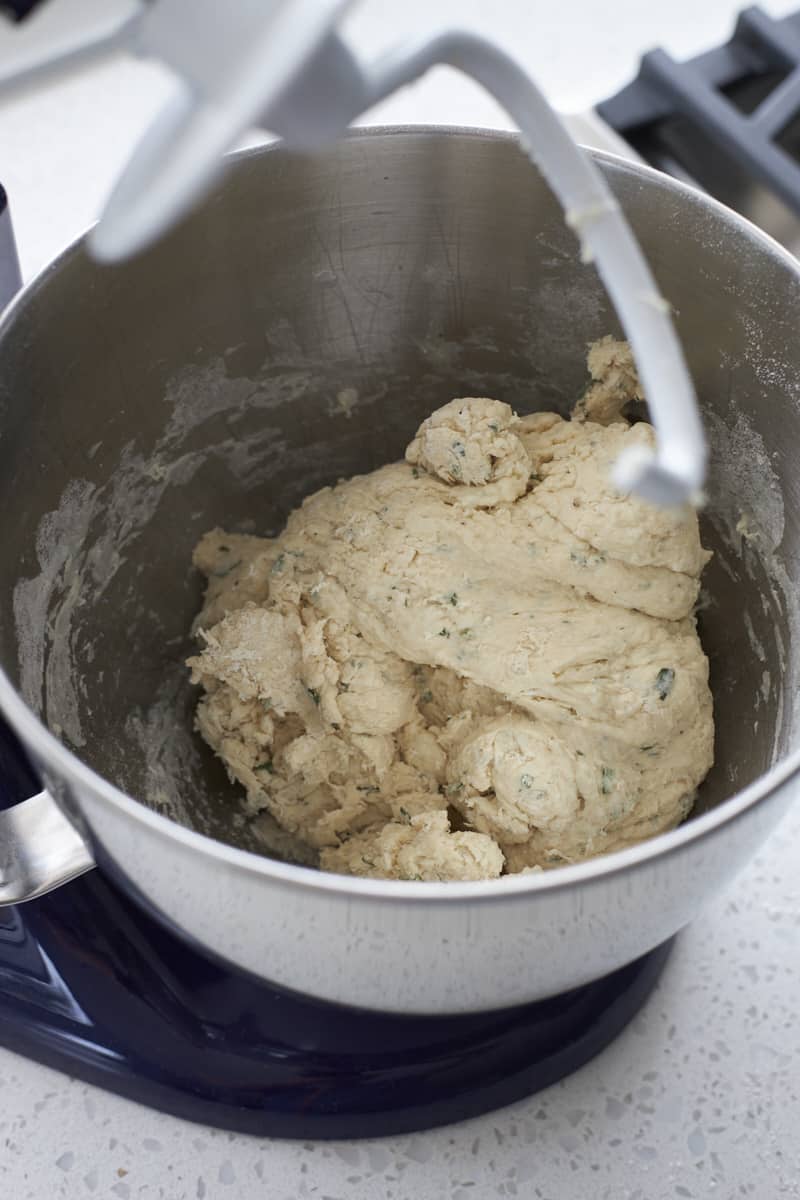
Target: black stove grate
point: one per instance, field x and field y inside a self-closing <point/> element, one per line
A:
<point x="726" y="118"/>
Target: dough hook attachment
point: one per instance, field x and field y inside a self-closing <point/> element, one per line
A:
<point x="281" y="65"/>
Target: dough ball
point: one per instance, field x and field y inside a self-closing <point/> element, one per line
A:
<point x="375" y="687"/>
<point x="471" y="443"/>
<point x="256" y="651"/>
<point x="510" y="777"/>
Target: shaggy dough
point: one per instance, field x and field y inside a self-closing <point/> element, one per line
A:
<point x="482" y="659"/>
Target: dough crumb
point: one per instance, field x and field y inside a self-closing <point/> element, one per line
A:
<point x="480" y="661"/>
<point x="615" y="382"/>
<point x="424" y="848"/>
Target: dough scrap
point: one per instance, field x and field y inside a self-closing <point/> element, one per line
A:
<point x="615" y="382"/>
<point x="421" y="848"/>
<point x="481" y="660"/>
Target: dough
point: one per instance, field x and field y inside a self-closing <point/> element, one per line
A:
<point x="480" y="660"/>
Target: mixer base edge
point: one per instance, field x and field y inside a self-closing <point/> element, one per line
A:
<point x="92" y="985"/>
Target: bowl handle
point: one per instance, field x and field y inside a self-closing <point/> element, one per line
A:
<point x="40" y="848"/>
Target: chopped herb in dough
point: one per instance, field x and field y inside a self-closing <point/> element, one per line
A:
<point x="664" y="682"/>
<point x="223" y="571"/>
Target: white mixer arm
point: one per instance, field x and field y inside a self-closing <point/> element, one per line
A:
<point x="280" y="65"/>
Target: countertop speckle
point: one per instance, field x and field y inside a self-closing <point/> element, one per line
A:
<point x="700" y="1096"/>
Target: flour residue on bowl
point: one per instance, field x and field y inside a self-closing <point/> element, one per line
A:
<point x="755" y="509"/>
<point x="94" y="538"/>
<point x="60" y="536"/>
<point x="747" y="510"/>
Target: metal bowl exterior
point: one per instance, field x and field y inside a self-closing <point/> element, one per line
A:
<point x="411" y="947"/>
<point x="421" y="948"/>
<point x="407" y="947"/>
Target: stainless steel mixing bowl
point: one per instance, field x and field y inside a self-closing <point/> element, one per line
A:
<point x="294" y="331"/>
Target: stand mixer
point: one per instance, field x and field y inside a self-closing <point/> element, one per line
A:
<point x="100" y="984"/>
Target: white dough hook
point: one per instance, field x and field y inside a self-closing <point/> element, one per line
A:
<point x="281" y="65"/>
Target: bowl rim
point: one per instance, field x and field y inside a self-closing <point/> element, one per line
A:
<point x="44" y="745"/>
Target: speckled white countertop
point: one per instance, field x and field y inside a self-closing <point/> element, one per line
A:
<point x="700" y="1097"/>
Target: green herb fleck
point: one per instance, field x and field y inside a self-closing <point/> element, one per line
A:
<point x="405" y="814"/>
<point x="444" y="633"/>
<point x="458" y="448"/>
<point x="453" y="789"/>
<point x="368" y="788"/>
<point x="495" y="428"/>
<point x="414" y="879"/>
<point x="343" y="687"/>
<point x="526" y="781"/>
<point x="368" y="862"/>
<point x="606" y="780"/>
<point x="651" y="750"/>
<point x="278" y="565"/>
<point x="452" y="598"/>
<point x="267" y="703"/>
<point x="427" y="696"/>
<point x="415" y="472"/>
<point x="664" y="682"/>
<point x="227" y="570"/>
<point x="265" y="766"/>
<point x="314" y="694"/>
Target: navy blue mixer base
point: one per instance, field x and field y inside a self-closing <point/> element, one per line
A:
<point x="94" y="986"/>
